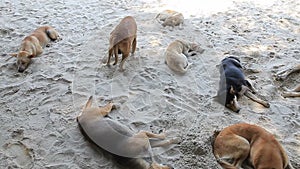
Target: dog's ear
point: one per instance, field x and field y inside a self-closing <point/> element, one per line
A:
<point x="88" y="103"/>
<point x="13" y="54"/>
<point x="248" y="84"/>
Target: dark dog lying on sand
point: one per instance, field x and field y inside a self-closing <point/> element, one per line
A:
<point x="233" y="85"/>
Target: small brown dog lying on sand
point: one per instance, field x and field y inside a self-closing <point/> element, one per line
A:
<point x="127" y="148"/>
<point x="33" y="45"/>
<point x="234" y="144"/>
<point x="170" y="18"/>
<point x="283" y="75"/>
<point x="176" y="55"/>
<point x="122" y="39"/>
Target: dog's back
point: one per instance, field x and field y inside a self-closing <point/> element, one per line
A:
<point x="127" y="28"/>
<point x="231" y="71"/>
<point x="45" y="34"/>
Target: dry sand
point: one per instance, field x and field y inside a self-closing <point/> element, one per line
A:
<point x="39" y="107"/>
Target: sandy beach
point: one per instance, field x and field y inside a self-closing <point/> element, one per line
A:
<point x="38" y="108"/>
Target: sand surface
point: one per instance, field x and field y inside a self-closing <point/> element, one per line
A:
<point x="38" y="107"/>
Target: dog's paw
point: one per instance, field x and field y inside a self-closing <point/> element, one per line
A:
<point x="176" y="140"/>
<point x="267" y="105"/>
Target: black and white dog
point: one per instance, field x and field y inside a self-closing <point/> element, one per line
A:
<point x="233" y="84"/>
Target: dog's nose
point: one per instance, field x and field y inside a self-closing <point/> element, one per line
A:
<point x="21" y="70"/>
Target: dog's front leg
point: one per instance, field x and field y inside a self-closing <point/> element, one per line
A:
<point x="256" y="99"/>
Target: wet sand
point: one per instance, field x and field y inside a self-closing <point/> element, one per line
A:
<point x="38" y="107"/>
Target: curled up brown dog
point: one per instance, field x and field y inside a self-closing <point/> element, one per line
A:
<point x="122" y="40"/>
<point x="33" y="45"/>
<point x="128" y="148"/>
<point x="237" y="143"/>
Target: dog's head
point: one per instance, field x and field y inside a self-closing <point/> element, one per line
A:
<point x="186" y="46"/>
<point x="23" y="60"/>
<point x="228" y="97"/>
<point x="155" y="165"/>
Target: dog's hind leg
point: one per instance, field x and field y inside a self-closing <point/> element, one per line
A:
<point x="110" y="53"/>
<point x="116" y="51"/>
<point x="152" y="135"/>
<point x="105" y="110"/>
<point x="163" y="143"/>
<point x="52" y="34"/>
<point x="133" y="46"/>
<point x="124" y="58"/>
<point x="291" y="94"/>
<point x="231" y="151"/>
<point x="226" y="165"/>
<point x="285" y="73"/>
<point x="256" y="99"/>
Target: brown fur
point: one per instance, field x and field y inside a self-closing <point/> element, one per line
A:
<point x="33" y="45"/>
<point x="127" y="147"/>
<point x="283" y="75"/>
<point x="123" y="39"/>
<point x="234" y="144"/>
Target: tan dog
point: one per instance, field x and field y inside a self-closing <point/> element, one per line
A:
<point x="234" y="144"/>
<point x="33" y="45"/>
<point x="122" y="39"/>
<point x="170" y="18"/>
<point x="283" y="75"/>
<point x="176" y="55"/>
<point x="118" y="139"/>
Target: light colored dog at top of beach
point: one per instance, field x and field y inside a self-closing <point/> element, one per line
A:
<point x="170" y="18"/>
<point x="176" y="55"/>
<point x="122" y="40"/>
<point x="33" y="45"/>
<point x="234" y="144"/>
<point x="117" y="139"/>
<point x="283" y="76"/>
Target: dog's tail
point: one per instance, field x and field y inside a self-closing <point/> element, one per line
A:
<point x="225" y="164"/>
<point x="213" y="138"/>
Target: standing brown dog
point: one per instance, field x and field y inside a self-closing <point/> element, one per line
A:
<point x="122" y="39"/>
<point x="33" y="45"/>
<point x="238" y="142"/>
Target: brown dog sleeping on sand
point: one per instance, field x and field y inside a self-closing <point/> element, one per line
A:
<point x="236" y="143"/>
<point x="33" y="45"/>
<point x="122" y="40"/>
<point x="127" y="148"/>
